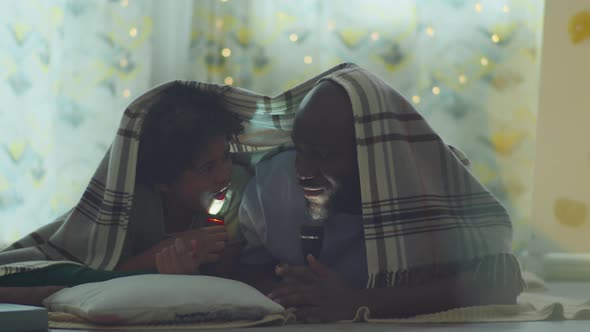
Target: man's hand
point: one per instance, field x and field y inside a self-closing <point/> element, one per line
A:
<point x="211" y="241"/>
<point x="179" y="259"/>
<point x="316" y="293"/>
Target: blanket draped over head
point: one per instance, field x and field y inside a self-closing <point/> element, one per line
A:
<point x="424" y="213"/>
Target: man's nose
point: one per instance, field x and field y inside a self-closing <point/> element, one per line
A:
<point x="306" y="168"/>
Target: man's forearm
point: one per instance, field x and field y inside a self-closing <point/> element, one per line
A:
<point x="454" y="292"/>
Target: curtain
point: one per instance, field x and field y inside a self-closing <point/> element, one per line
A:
<point x="68" y="69"/>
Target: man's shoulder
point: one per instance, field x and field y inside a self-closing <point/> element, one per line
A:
<point x="274" y="177"/>
<point x="250" y="159"/>
<point x="283" y="157"/>
<point x="278" y="165"/>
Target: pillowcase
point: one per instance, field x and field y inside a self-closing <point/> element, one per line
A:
<point x="165" y="299"/>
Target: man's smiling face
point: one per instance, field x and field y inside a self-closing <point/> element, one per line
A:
<point x="326" y="161"/>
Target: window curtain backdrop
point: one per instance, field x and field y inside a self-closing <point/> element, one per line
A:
<point x="68" y="69"/>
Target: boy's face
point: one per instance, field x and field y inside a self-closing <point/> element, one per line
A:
<point x="196" y="187"/>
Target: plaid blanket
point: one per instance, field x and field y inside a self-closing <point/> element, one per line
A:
<point x="423" y="210"/>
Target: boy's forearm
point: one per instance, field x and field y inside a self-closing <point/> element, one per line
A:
<point x="144" y="261"/>
<point x="14" y="294"/>
<point x="27" y="295"/>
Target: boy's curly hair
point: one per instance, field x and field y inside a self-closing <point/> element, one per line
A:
<point x="176" y="130"/>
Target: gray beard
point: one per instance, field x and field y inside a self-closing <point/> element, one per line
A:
<point x="321" y="209"/>
<point x="318" y="211"/>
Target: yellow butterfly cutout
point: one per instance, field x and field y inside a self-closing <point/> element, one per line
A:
<point x="504" y="79"/>
<point x="530" y="52"/>
<point x="352" y="37"/>
<point x="504" y="31"/>
<point x="21" y="31"/>
<point x="579" y="27"/>
<point x="262" y="65"/>
<point x="456" y="80"/>
<point x="505" y="141"/>
<point x="14" y="236"/>
<point x="484" y="173"/>
<point x="284" y="18"/>
<point x="196" y="34"/>
<point x="8" y="66"/>
<point x="524" y="115"/>
<point x="57" y="16"/>
<point x="16" y="149"/>
<point x="570" y="212"/>
<point x="55" y="202"/>
<point x="244" y="35"/>
<point x="4" y="184"/>
<point x="215" y="65"/>
<point x="514" y="187"/>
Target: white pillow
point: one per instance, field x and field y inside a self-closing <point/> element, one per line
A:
<point x="156" y="298"/>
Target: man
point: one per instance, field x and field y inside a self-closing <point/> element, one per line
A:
<point x="406" y="228"/>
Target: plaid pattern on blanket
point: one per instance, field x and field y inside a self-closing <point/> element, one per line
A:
<point x="422" y="208"/>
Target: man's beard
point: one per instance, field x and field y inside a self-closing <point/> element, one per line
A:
<point x="321" y="207"/>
